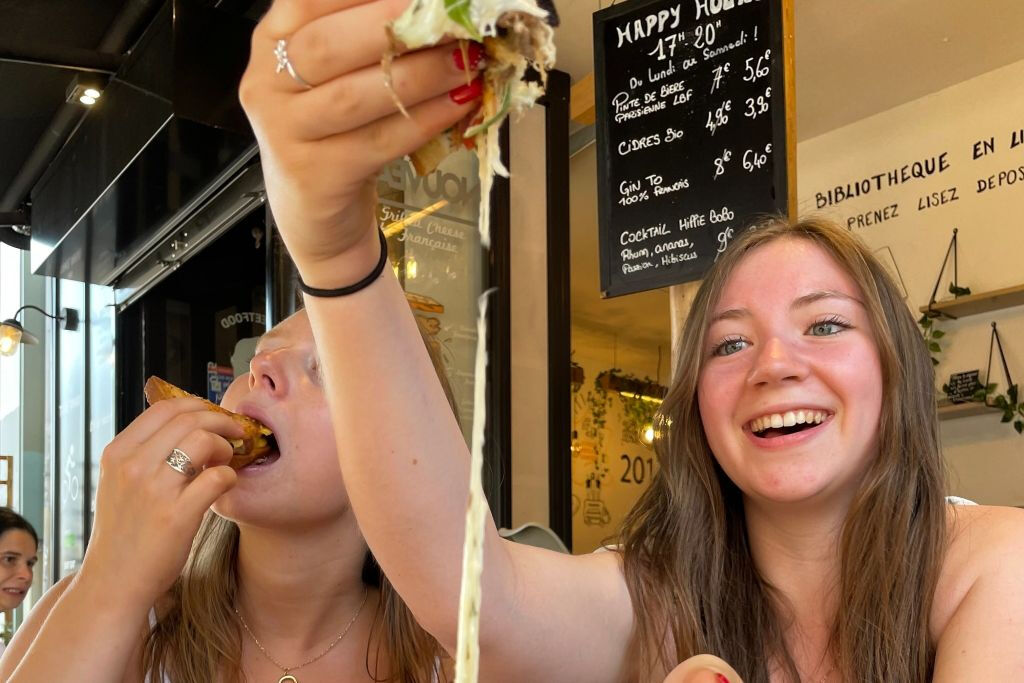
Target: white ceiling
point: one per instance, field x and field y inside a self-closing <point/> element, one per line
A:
<point x="853" y="60"/>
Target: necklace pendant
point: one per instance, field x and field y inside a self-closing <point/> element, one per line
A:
<point x="287" y="678"/>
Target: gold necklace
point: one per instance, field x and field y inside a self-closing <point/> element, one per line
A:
<point x="287" y="677"/>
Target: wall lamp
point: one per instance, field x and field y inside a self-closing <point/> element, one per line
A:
<point x="12" y="333"/>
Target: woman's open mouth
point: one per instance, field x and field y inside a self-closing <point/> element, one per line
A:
<point x="268" y="458"/>
<point x="778" y="425"/>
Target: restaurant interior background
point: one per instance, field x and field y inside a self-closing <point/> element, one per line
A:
<point x="876" y="90"/>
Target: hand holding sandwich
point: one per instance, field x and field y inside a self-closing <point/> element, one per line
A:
<point x="323" y="142"/>
<point x="147" y="513"/>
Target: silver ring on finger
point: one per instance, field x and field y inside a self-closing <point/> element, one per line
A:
<point x="285" y="64"/>
<point x="179" y="461"/>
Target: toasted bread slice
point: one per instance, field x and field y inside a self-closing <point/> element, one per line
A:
<point x="257" y="439"/>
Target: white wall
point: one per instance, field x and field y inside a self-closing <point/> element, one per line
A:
<point x="528" y="317"/>
<point x="986" y="458"/>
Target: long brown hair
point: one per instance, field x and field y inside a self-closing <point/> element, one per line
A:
<point x="686" y="553"/>
<point x="199" y="639"/>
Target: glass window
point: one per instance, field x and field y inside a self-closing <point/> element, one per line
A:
<point x="197" y="328"/>
<point x="70" y="453"/>
<point x="101" y="382"/>
<point x="431" y="224"/>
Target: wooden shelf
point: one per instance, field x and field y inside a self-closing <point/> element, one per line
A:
<point x="952" y="411"/>
<point x="978" y="303"/>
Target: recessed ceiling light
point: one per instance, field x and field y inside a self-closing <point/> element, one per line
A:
<point x="84" y="91"/>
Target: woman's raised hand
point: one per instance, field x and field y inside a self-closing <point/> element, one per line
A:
<point x="326" y="122"/>
<point x="147" y="511"/>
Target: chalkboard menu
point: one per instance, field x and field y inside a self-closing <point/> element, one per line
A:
<point x="691" y="134"/>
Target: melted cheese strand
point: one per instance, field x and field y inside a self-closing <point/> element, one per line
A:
<point x="467" y="652"/>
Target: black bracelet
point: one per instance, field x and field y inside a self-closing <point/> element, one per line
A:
<point x="352" y="289"/>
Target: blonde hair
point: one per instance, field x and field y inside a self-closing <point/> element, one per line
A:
<point x="686" y="553"/>
<point x="199" y="639"/>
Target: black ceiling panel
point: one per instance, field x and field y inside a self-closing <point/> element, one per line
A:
<point x="69" y="23"/>
<point x="30" y="94"/>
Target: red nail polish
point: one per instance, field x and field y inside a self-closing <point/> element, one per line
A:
<point x="474" y="53"/>
<point x="467" y="93"/>
<point x="721" y="679"/>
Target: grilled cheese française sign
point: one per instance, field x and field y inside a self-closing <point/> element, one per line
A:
<point x="691" y="128"/>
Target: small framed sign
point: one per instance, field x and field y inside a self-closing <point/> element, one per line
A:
<point x="962" y="385"/>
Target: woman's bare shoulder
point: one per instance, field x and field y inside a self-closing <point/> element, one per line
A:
<point x="982" y="533"/>
<point x="983" y="542"/>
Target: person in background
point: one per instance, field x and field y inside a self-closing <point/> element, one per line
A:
<point x="19" y="545"/>
<point x="260" y="574"/>
<point x="797" y="527"/>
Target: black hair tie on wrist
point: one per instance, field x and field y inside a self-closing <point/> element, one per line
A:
<point x="362" y="284"/>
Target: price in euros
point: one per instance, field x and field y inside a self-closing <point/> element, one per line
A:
<point x="720" y="163"/>
<point x="719" y="117"/>
<point x="719" y="74"/>
<point x="754" y="160"/>
<point x="757" y="70"/>
<point x="759" y="105"/>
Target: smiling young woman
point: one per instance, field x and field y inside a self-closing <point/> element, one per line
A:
<point x="801" y="488"/>
<point x="18" y="546"/>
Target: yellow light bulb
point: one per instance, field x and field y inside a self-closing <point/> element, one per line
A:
<point x="410" y="268"/>
<point x="93" y="93"/>
<point x="647" y="435"/>
<point x="9" y="339"/>
<point x="87" y="101"/>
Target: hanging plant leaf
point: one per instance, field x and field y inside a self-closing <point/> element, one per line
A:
<point x="934" y="347"/>
<point x="938" y="334"/>
<point x="1019" y="426"/>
